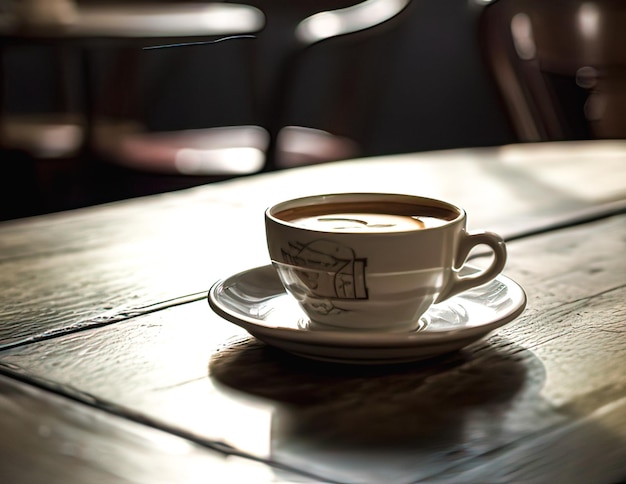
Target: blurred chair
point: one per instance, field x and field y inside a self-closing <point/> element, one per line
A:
<point x="559" y="65"/>
<point x="292" y="28"/>
<point x="353" y="95"/>
<point x="124" y="27"/>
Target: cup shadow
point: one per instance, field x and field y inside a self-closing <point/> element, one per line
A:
<point x="439" y="418"/>
<point x="425" y="403"/>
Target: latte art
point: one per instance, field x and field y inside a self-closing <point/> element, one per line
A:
<point x="365" y="222"/>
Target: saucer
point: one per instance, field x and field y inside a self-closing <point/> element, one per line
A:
<point x="256" y="300"/>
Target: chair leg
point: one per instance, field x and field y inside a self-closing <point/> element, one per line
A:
<point x="279" y="99"/>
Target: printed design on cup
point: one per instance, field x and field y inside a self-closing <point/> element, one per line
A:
<point x="328" y="270"/>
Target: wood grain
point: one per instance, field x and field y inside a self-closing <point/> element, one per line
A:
<point x="90" y="268"/>
<point x="543" y="397"/>
<point x="47" y="438"/>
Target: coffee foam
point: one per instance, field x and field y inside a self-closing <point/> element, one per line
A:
<point x="366" y="222"/>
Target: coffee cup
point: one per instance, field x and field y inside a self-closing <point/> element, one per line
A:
<point x="374" y="261"/>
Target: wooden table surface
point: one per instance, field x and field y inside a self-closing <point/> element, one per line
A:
<point x="113" y="368"/>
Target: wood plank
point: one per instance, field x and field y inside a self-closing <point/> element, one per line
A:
<point x="48" y="438"/>
<point x="94" y="268"/>
<point x="89" y="267"/>
<point x="496" y="409"/>
<point x="530" y="180"/>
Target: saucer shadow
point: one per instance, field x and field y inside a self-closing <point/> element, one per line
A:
<point x="445" y="419"/>
<point x="427" y="403"/>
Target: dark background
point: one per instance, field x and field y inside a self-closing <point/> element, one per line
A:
<point x="419" y="86"/>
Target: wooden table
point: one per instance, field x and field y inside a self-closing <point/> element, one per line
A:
<point x="113" y="368"/>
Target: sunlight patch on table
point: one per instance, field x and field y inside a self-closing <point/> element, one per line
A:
<point x="557" y="165"/>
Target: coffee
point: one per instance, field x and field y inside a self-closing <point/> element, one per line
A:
<point x="367" y="217"/>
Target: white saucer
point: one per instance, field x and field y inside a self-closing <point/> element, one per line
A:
<point x="256" y="300"/>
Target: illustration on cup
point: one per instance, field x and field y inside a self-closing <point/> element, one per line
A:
<point x="334" y="270"/>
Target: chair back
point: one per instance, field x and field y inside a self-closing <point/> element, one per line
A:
<point x="559" y="66"/>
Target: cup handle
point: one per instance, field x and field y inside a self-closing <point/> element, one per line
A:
<point x="458" y="283"/>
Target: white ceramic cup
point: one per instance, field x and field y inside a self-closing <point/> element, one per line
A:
<point x="373" y="261"/>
